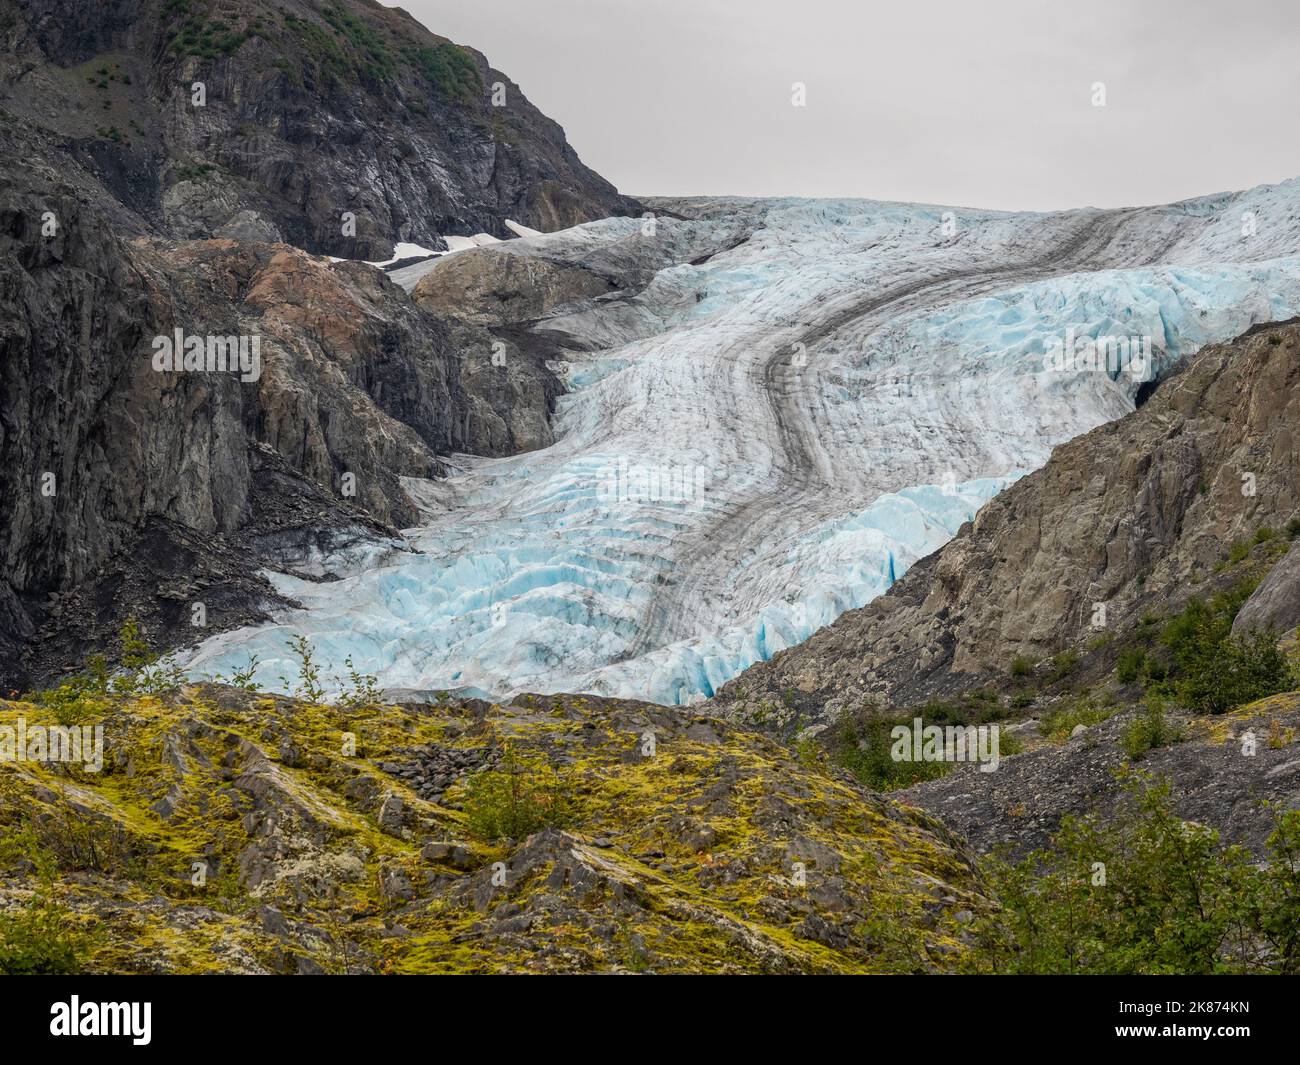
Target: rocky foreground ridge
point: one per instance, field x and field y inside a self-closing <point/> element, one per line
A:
<point x="237" y="832"/>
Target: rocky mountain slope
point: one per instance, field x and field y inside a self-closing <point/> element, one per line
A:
<point x="1137" y="515"/>
<point x="130" y="489"/>
<point x="233" y="832"/>
<point x="339" y="126"/>
<point x="1228" y="772"/>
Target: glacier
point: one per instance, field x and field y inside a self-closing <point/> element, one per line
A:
<point x="796" y="401"/>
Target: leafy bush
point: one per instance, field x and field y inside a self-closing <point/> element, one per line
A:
<point x="242" y="678"/>
<point x="362" y="689"/>
<point x="70" y="841"/>
<point x="193" y="171"/>
<point x="1131" y="664"/>
<point x="1148" y="730"/>
<point x="1213" y="670"/>
<point x="84" y="697"/>
<point x="309" y="687"/>
<point x="861" y="743"/>
<point x="863" y="748"/>
<point x="1144" y="892"/>
<point x="1062" y="666"/>
<point x="1293" y="529"/>
<point x="40" y="939"/>
<point x="144" y="671"/>
<point x="524" y="795"/>
<point x="1021" y="667"/>
<point x="1249" y="668"/>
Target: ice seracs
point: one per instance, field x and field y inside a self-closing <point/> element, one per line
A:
<point x="853" y="378"/>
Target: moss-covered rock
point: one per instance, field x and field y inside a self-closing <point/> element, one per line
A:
<point x="235" y="832"/>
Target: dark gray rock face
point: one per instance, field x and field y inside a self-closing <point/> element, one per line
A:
<point x="310" y="113"/>
<point x="356" y="388"/>
<point x="136" y="131"/>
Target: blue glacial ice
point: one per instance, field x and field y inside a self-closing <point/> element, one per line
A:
<point x="761" y="439"/>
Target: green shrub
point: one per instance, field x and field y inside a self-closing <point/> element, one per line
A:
<point x="862" y="743"/>
<point x="361" y="690"/>
<point x="863" y="748"/>
<point x="71" y="841"/>
<point x="83" y="697"/>
<point x="41" y="939"/>
<point x="1293" y="529"/>
<point x="1062" y="666"/>
<point x="144" y="671"/>
<point x="1148" y="730"/>
<point x="309" y="687"/>
<point x="524" y="795"/>
<point x="193" y="172"/>
<point x="1021" y="667"/>
<point x="1131" y="664"/>
<point x="242" y="678"/>
<point x="1248" y="668"/>
<point x="1144" y="892"/>
<point x="1213" y="670"/>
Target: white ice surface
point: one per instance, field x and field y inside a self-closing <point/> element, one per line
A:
<point x="817" y="474"/>
<point x="521" y="230"/>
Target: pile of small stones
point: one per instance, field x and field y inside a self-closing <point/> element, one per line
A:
<point x="433" y="769"/>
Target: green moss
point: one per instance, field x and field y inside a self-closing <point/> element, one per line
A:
<point x="450" y="69"/>
<point x="201" y="774"/>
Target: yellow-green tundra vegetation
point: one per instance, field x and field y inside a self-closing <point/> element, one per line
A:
<point x="234" y="831"/>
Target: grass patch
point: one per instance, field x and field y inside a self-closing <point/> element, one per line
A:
<point x="1057" y="724"/>
<point x="450" y="69"/>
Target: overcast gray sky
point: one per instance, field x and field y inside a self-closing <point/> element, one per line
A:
<point x="984" y="103"/>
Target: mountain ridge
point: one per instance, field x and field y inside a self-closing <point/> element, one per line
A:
<point x="308" y="110"/>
